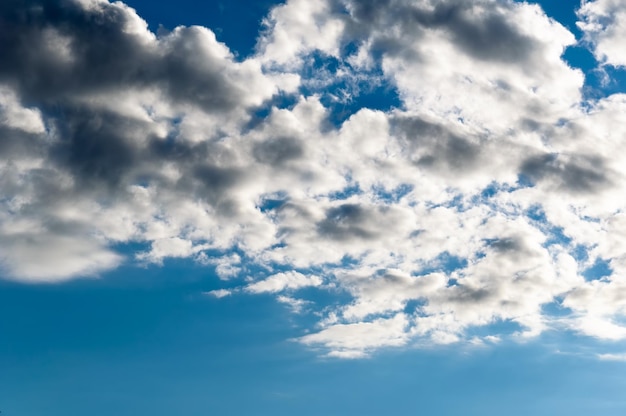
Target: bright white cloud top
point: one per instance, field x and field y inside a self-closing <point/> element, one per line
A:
<point x="485" y="196"/>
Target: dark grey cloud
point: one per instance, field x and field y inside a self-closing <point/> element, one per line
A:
<point x="479" y="29"/>
<point x="278" y="150"/>
<point x="508" y="245"/>
<point x="94" y="146"/>
<point x="453" y="153"/>
<point x="463" y="294"/>
<point x="216" y="181"/>
<point x="435" y="147"/>
<point x="346" y="222"/>
<point x="101" y="55"/>
<point x="358" y="222"/>
<point x="16" y="144"/>
<point x="58" y="55"/>
<point x="488" y="37"/>
<point x="92" y="106"/>
<point x="512" y="248"/>
<point x="56" y="49"/>
<point x="576" y="174"/>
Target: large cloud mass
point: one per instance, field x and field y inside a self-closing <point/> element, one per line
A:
<point x="486" y="196"/>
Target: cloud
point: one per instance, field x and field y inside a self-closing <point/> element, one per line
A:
<point x="296" y="305"/>
<point x="41" y="257"/>
<point x="219" y="293"/>
<point x="115" y="109"/>
<point x="479" y="198"/>
<point x="355" y="340"/>
<point x="169" y="247"/>
<point x="604" y="25"/>
<point x="283" y="281"/>
<point x="612" y="357"/>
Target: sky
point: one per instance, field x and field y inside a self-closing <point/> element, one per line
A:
<point x="334" y="207"/>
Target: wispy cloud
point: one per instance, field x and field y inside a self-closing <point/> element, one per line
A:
<point x="612" y="357"/>
<point x="219" y="293"/>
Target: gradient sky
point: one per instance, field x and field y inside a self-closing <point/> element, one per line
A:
<point x="339" y="207"/>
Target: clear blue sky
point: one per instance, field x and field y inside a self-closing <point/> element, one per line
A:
<point x="144" y="338"/>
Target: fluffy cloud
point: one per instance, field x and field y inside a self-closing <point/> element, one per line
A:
<point x="283" y="281"/>
<point x="604" y="24"/>
<point x="355" y="340"/>
<point x="485" y="196"/>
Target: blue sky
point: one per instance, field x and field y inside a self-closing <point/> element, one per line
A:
<point x="154" y="347"/>
<point x="336" y="207"/>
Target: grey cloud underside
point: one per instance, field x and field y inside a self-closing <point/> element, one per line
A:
<point x="580" y="174"/>
<point x="104" y="57"/>
<point x="111" y="134"/>
<point x="278" y="151"/>
<point x="489" y="37"/>
<point x="432" y="146"/>
<point x="353" y="222"/>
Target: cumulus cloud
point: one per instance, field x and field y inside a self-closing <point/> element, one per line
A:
<point x="283" y="281"/>
<point x="355" y="340"/>
<point x="604" y="24"/>
<point x="484" y="196"/>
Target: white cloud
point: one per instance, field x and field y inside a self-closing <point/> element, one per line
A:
<point x="612" y="357"/>
<point x="298" y="27"/>
<point x="356" y="340"/>
<point x="13" y="115"/>
<point x="170" y="247"/>
<point x="480" y="199"/>
<point x="283" y="281"/>
<point x="296" y="305"/>
<point x="44" y="257"/>
<point x="226" y="267"/>
<point x="219" y="293"/>
<point x="604" y="25"/>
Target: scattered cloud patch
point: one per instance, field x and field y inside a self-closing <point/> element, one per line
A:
<point x="612" y="357"/>
<point x="296" y="305"/>
<point x="219" y="293"/>
<point x="283" y="281"/>
<point x="604" y="25"/>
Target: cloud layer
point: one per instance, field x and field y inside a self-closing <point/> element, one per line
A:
<point x="486" y="196"/>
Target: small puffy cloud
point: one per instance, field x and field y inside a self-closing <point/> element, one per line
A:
<point x="219" y="293"/>
<point x="226" y="267"/>
<point x="604" y="25"/>
<point x="356" y="340"/>
<point x="44" y="257"/>
<point x="296" y="305"/>
<point x="14" y="116"/>
<point x="283" y="281"/>
<point x="169" y="247"/>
